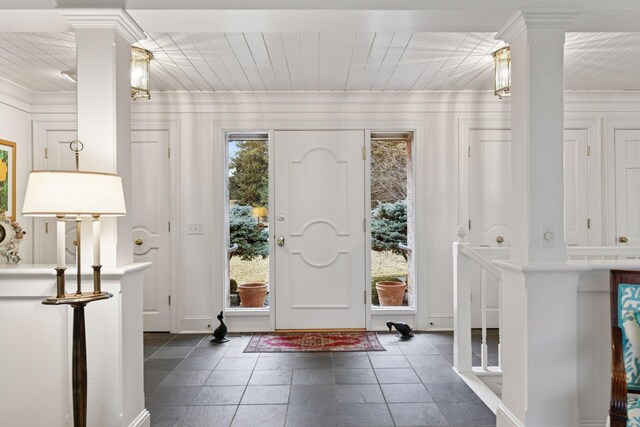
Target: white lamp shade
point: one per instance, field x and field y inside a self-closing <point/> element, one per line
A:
<point x="73" y="193"/>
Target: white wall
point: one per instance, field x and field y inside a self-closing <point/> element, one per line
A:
<point x="199" y="120"/>
<point x="15" y="126"/>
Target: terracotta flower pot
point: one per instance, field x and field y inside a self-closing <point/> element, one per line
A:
<point x="252" y="294"/>
<point x="390" y="293"/>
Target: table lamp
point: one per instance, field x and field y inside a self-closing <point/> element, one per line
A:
<point x="75" y="196"/>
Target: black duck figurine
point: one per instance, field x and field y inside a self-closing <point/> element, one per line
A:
<point x="219" y="335"/>
<point x="404" y="330"/>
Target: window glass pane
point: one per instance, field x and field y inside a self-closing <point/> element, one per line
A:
<point x="391" y="235"/>
<point x="248" y="204"/>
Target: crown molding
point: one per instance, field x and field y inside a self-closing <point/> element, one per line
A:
<point x="117" y="19"/>
<point x="536" y="18"/>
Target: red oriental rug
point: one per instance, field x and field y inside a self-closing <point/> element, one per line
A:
<point x="287" y="342"/>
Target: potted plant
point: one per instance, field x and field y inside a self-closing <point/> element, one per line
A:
<point x="391" y="292"/>
<point x="252" y="294"/>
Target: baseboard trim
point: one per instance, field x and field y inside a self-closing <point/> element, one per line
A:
<point x="506" y="418"/>
<point x="592" y="423"/>
<point x="142" y="420"/>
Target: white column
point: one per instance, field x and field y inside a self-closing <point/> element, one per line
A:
<point x="104" y="38"/>
<point x="539" y="297"/>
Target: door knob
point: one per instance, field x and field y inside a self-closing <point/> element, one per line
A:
<point x="281" y="241"/>
<point x="138" y="242"/>
<point x="623" y="239"/>
<point x="499" y="239"/>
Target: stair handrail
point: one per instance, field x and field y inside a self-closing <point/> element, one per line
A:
<point x="483" y="262"/>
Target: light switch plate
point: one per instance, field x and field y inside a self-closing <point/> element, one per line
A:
<point x="195" y="228"/>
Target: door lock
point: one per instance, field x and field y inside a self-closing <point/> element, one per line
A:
<point x="623" y="239"/>
<point x="281" y="241"/>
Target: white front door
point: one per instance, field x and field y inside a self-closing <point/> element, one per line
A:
<point x="319" y="211"/>
<point x="627" y="147"/>
<point x="150" y="217"/>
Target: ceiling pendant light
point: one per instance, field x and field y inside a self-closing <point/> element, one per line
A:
<point x="140" y="60"/>
<point x="502" y="60"/>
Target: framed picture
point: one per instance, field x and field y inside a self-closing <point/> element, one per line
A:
<point x="8" y="178"/>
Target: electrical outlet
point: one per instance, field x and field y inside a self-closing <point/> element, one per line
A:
<point x="195" y="228"/>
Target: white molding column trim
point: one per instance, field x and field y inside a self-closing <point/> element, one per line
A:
<point x="539" y="298"/>
<point x="104" y="38"/>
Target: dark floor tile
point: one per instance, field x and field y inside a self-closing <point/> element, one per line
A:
<point x="391" y="350"/>
<point x="208" y="416"/>
<point x="406" y="393"/>
<point x="185" y="378"/>
<point x="355" y="376"/>
<point x="274" y="363"/>
<point x="437" y="375"/>
<point x="172" y="352"/>
<point x="397" y="376"/>
<point x="312" y="363"/>
<point x="260" y="416"/>
<point x="427" y="361"/>
<point x="364" y="415"/>
<point x="444" y="348"/>
<point x="265" y="394"/>
<point x="148" y="351"/>
<point x="359" y="393"/>
<point x="152" y="379"/>
<point x="319" y="393"/>
<point x="385" y="362"/>
<point x="198" y="364"/>
<point x="439" y="337"/>
<point x="452" y="392"/>
<point x="172" y="396"/>
<point x="421" y="348"/>
<point x="155" y="341"/>
<point x="313" y="376"/>
<point x="208" y="352"/>
<point x="183" y="342"/>
<point x="229" y="377"/>
<point x="417" y="414"/>
<point x="219" y="395"/>
<point x="360" y="362"/>
<point x="271" y="377"/>
<point x="466" y="412"/>
<point x="312" y="354"/>
<point x="448" y="358"/>
<point x="236" y="363"/>
<point x="166" y="416"/>
<point x="313" y="415"/>
<point x="161" y="364"/>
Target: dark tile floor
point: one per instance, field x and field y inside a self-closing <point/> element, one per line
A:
<point x="192" y="382"/>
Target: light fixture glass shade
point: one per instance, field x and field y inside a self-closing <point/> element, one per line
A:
<point x="73" y="193"/>
<point x="140" y="60"/>
<point x="502" y="60"/>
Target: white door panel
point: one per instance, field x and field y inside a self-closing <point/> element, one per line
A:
<point x="490" y="187"/>
<point x="150" y="218"/>
<point x="627" y="148"/>
<point x="58" y="157"/>
<point x="319" y="191"/>
<point x="576" y="187"/>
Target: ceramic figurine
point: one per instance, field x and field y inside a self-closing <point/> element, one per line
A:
<point x="219" y="335"/>
<point x="404" y="330"/>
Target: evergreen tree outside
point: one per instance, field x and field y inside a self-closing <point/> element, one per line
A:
<point x="249" y="174"/>
<point x="389" y="227"/>
<point x="244" y="231"/>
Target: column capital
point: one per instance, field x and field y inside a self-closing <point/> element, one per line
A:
<point x="117" y="19"/>
<point x="535" y="18"/>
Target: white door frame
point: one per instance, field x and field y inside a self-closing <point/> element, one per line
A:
<point x="264" y="320"/>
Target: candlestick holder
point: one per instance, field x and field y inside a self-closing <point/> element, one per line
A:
<point x="93" y="195"/>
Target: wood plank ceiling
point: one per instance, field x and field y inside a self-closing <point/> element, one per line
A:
<point x="323" y="61"/>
